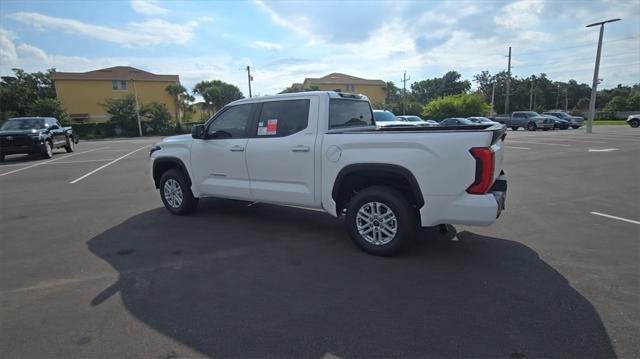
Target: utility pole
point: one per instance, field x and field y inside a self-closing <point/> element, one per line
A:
<point x="249" y="79"/>
<point x="506" y="101"/>
<point x="404" y="91"/>
<point x="135" y="93"/>
<point x="594" y="88"/>
<point x="566" y="100"/>
<point x="558" y="98"/>
<point x="531" y="96"/>
<point x="493" y="96"/>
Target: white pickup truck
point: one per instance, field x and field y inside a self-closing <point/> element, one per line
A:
<point x="322" y="150"/>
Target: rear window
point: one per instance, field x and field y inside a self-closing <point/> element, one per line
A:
<point x="349" y="113"/>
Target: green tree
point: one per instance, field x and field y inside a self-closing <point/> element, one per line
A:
<point x="48" y="107"/>
<point x="294" y="89"/>
<point x="449" y="84"/>
<point x="122" y="112"/>
<point x="217" y="93"/>
<point x="583" y="104"/>
<point x="461" y="105"/>
<point x="617" y="103"/>
<point x="158" y="116"/>
<point x="20" y="91"/>
<point x="176" y="90"/>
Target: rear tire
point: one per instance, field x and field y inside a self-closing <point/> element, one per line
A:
<point x="380" y="220"/>
<point x="176" y="193"/>
<point x="532" y="126"/>
<point x="71" y="146"/>
<point x="545" y="129"/>
<point x="634" y="123"/>
<point x="1" y="158"/>
<point x="575" y="127"/>
<point x="514" y="128"/>
<point x="47" y="151"/>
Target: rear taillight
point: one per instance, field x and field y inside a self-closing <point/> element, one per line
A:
<point x="484" y="170"/>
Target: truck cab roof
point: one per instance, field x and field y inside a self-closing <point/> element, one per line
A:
<point x="284" y="96"/>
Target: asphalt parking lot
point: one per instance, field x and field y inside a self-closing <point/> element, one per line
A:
<point x="93" y="266"/>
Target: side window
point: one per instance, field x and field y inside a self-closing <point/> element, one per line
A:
<point x="123" y="85"/>
<point x="283" y="118"/>
<point x="232" y="123"/>
<point x="518" y="115"/>
<point x="114" y="85"/>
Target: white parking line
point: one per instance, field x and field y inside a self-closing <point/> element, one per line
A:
<point x="540" y="143"/>
<point x="85" y="161"/>
<point x="49" y="161"/>
<point x="518" y="148"/>
<point x="614" y="217"/>
<point x="106" y="165"/>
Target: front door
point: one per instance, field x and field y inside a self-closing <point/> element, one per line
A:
<point x="280" y="152"/>
<point x="219" y="160"/>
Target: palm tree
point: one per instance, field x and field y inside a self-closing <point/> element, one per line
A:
<point x="176" y="90"/>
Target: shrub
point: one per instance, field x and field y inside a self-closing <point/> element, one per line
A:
<point x="462" y="105"/>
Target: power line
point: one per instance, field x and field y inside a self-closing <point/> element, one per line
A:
<point x="577" y="46"/>
<point x="571" y="64"/>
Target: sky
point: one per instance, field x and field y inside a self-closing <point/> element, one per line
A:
<point x="286" y="41"/>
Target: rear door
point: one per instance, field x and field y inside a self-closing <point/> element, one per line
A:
<point x="280" y="152"/>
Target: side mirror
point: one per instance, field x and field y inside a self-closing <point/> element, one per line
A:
<point x="197" y="131"/>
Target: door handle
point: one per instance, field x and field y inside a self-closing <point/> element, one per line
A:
<point x="236" y="148"/>
<point x="300" y="148"/>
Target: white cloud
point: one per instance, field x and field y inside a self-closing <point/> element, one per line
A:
<point x="266" y="45"/>
<point x="520" y="15"/>
<point x="147" y="33"/>
<point x="147" y="7"/>
<point x="32" y="52"/>
<point x="8" y="53"/>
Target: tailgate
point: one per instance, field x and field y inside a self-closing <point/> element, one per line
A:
<point x="497" y="146"/>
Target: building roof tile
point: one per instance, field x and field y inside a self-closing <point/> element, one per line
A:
<point x="115" y="73"/>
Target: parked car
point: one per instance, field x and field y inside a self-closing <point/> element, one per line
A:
<point x="529" y="120"/>
<point x="574" y="121"/>
<point x="387" y="118"/>
<point x="35" y="135"/>
<point x="482" y="120"/>
<point x="558" y="123"/>
<point x="323" y="150"/>
<point x="457" y="121"/>
<point x="415" y="120"/>
<point x="634" y="120"/>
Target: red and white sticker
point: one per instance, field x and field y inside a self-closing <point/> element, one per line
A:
<point x="272" y="127"/>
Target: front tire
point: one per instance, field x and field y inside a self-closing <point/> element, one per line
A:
<point x="47" y="151"/>
<point x="514" y="128"/>
<point x="176" y="193"/>
<point x="532" y="126"/>
<point x="634" y="123"/>
<point x="380" y="220"/>
<point x="71" y="146"/>
<point x="575" y="127"/>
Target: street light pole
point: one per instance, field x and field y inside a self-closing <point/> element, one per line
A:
<point x="594" y="87"/>
<point x="249" y="79"/>
<point x="135" y="92"/>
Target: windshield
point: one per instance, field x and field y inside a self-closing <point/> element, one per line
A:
<point x="384" y="116"/>
<point x="414" y="119"/>
<point x="23" y="124"/>
<point x="349" y="113"/>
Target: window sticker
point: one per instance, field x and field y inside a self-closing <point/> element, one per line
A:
<point x="272" y="127"/>
<point x="262" y="131"/>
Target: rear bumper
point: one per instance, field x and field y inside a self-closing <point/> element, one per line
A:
<point x="480" y="210"/>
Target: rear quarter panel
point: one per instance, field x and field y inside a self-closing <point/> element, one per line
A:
<point x="440" y="161"/>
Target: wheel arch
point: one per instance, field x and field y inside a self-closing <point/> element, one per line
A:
<point x="362" y="175"/>
<point x="163" y="164"/>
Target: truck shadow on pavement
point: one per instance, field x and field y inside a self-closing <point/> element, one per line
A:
<point x="255" y="281"/>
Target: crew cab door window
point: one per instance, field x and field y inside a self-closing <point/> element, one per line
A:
<point x="283" y="118"/>
<point x="232" y="123"/>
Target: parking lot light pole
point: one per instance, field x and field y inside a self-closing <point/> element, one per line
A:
<point x="135" y="94"/>
<point x="594" y="88"/>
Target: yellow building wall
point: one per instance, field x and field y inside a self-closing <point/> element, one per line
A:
<point x="87" y="96"/>
<point x="375" y="93"/>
